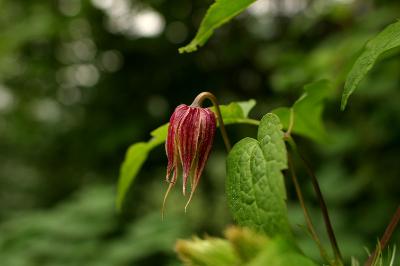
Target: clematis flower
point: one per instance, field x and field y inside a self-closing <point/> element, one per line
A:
<point x="190" y="136"/>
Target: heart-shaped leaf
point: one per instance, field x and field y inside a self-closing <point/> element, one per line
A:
<point x="255" y="185"/>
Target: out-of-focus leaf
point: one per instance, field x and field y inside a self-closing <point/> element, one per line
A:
<point x="307" y="112"/>
<point x="255" y="186"/>
<point x="246" y="243"/>
<point x="219" y="13"/>
<point x="33" y="27"/>
<point x="281" y="252"/>
<point x="242" y="247"/>
<point x="145" y="236"/>
<point x="137" y="153"/>
<point x="387" y="39"/>
<point x="207" y="252"/>
<point x="71" y="232"/>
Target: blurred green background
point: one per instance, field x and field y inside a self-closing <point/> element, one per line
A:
<point x="82" y="80"/>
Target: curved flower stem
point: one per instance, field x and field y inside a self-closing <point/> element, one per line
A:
<point x="309" y="222"/>
<point x="198" y="101"/>
<point x="324" y="209"/>
<point x="386" y="236"/>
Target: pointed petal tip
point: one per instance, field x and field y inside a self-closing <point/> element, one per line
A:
<point x="165" y="200"/>
<point x="190" y="197"/>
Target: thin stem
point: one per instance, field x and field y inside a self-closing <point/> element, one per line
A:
<point x="324" y="209"/>
<point x="291" y="122"/>
<point x="307" y="217"/>
<point x="249" y="121"/>
<point x="198" y="102"/>
<point x="386" y="236"/>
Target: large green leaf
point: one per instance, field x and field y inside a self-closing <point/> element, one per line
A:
<point x="219" y="13"/>
<point x="255" y="186"/>
<point x="387" y="39"/>
<point x="307" y="111"/>
<point x="137" y="153"/>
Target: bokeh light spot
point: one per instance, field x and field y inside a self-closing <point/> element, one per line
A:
<point x="147" y="23"/>
<point x="176" y="32"/>
<point x="111" y="60"/>
<point x="86" y="75"/>
<point x="157" y="106"/>
<point x="69" y="8"/>
<point x="46" y="110"/>
<point x="6" y="99"/>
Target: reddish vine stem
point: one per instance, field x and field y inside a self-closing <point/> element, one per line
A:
<point x="307" y="217"/>
<point x="386" y="236"/>
<point x="324" y="208"/>
<point x="198" y="101"/>
<point x="321" y="200"/>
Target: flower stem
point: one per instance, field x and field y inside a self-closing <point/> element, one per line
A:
<point x="310" y="225"/>
<point x="386" y="236"/>
<point x="198" y="101"/>
<point x="324" y="209"/>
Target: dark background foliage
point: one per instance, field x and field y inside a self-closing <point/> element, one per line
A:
<point x="82" y="80"/>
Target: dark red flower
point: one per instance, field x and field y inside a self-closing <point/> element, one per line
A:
<point x="190" y="136"/>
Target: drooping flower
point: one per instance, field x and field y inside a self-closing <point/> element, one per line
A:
<point x="190" y="136"/>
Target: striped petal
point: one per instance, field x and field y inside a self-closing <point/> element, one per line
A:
<point x="189" y="141"/>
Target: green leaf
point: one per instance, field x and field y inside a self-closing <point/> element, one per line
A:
<point x="237" y="112"/>
<point x="244" y="247"/>
<point x="387" y="39"/>
<point x="281" y="252"/>
<point x="246" y="243"/>
<point x="138" y="152"/>
<point x="255" y="185"/>
<point x="219" y="13"/>
<point x="307" y="112"/>
<point x="134" y="159"/>
<point x="247" y="106"/>
<point x="207" y="252"/>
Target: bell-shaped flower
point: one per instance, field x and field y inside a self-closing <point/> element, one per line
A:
<point x="190" y="137"/>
